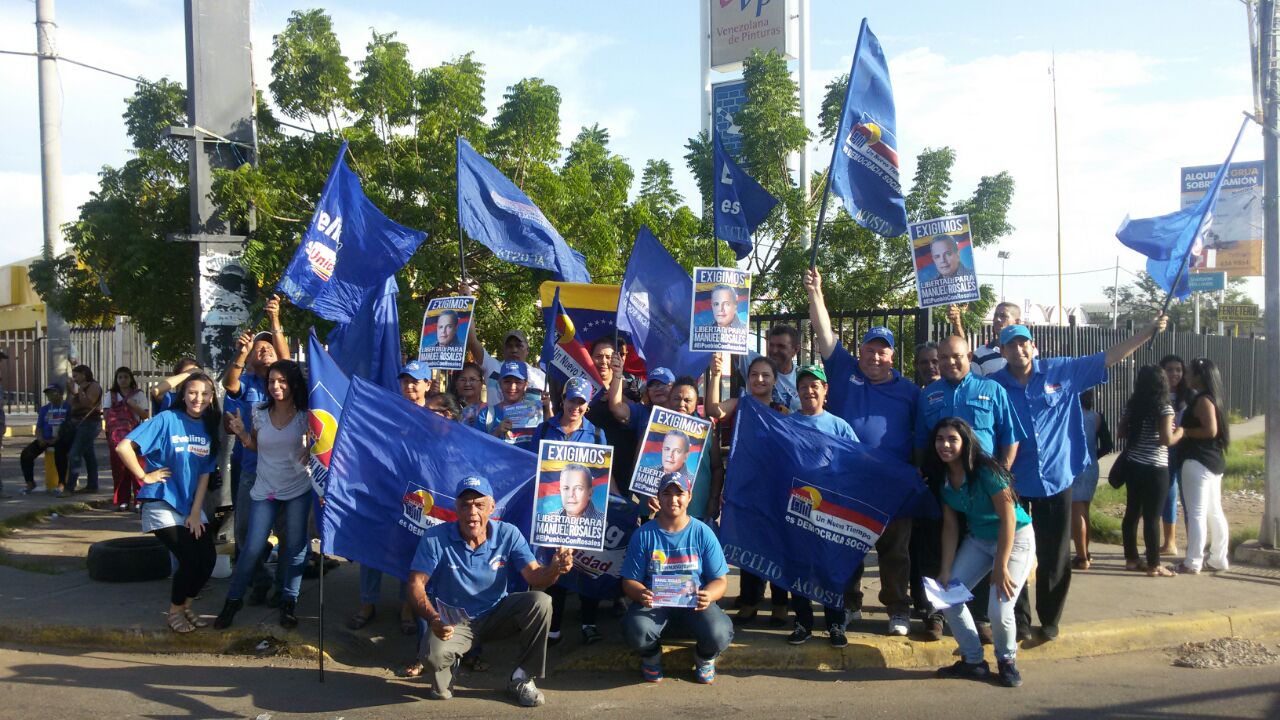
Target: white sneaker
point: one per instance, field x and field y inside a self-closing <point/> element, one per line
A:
<point x="526" y="693"/>
<point x="899" y="625"/>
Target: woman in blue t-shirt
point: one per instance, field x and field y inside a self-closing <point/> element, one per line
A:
<point x="1000" y="542"/>
<point x="180" y="447"/>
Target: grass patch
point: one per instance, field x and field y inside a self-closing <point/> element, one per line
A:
<point x="27" y="519"/>
<point x="1103" y="528"/>
<point x="1246" y="463"/>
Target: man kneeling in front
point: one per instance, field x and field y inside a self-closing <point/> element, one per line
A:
<point x="458" y="584"/>
<point x="674" y="573"/>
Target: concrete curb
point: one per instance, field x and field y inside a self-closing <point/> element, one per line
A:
<point x="1104" y="637"/>
<point x="237" y="641"/>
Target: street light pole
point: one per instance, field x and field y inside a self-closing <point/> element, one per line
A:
<point x="1004" y="257"/>
<point x="1270" y="530"/>
<point x="57" y="333"/>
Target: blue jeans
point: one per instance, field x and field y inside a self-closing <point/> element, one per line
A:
<point x="642" y="628"/>
<point x="292" y="557"/>
<point x="371" y="586"/>
<point x="973" y="561"/>
<point x="79" y="449"/>
<point x="1170" y="514"/>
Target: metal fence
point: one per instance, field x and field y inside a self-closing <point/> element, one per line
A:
<point x="1241" y="360"/>
<point x="910" y="326"/>
<point x="24" y="375"/>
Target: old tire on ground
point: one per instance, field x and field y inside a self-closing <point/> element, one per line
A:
<point x="128" y="559"/>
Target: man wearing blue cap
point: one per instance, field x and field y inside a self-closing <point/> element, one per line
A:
<point x="674" y="548"/>
<point x="458" y="584"/>
<point x="1045" y="393"/>
<point x="880" y="405"/>
<point x="49" y="418"/>
<point x="517" y="413"/>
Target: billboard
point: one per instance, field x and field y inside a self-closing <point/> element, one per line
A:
<point x="1235" y="234"/>
<point x="726" y="99"/>
<point x="740" y="26"/>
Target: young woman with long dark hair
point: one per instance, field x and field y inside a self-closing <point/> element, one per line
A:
<point x="1000" y="542"/>
<point x="283" y="485"/>
<point x="124" y="409"/>
<point x="1148" y="427"/>
<point x="75" y="438"/>
<point x="1205" y="439"/>
<point x="180" y="447"/>
<point x="1175" y="371"/>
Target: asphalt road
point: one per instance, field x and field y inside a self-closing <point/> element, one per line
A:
<point x="63" y="684"/>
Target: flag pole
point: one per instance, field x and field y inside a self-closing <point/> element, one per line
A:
<point x="835" y="148"/>
<point x="457" y="201"/>
<point x="1182" y="267"/>
<point x="321" y="611"/>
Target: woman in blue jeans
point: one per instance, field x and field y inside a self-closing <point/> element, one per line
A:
<point x="283" y="485"/>
<point x="74" y="445"/>
<point x="1000" y="542"/>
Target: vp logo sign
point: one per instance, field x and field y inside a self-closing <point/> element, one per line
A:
<point x="744" y="4"/>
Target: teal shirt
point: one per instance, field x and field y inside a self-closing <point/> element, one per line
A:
<point x="973" y="500"/>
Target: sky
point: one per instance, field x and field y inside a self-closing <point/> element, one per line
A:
<point x="1143" y="88"/>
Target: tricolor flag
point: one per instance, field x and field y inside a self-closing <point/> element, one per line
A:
<point x="563" y="352"/>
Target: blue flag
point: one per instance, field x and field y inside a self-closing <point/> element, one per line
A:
<point x="655" y="308"/>
<point x="806" y="506"/>
<point x="347" y="250"/>
<point x="394" y="470"/>
<point x="864" y="165"/>
<point x="1168" y="241"/>
<point x="369" y="345"/>
<point x="500" y="216"/>
<point x="326" y="387"/>
<point x="741" y="204"/>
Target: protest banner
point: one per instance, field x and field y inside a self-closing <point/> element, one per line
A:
<point x="721" y="303"/>
<point x="572" y="498"/>
<point x="443" y="342"/>
<point x="675" y="591"/>
<point x="673" y="443"/>
<point x="807" y="506"/>
<point x="943" y="260"/>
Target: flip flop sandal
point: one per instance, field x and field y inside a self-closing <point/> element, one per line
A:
<point x="359" y="620"/>
<point x="194" y="619"/>
<point x="1080" y="564"/>
<point x="180" y="624"/>
<point x="1161" y="571"/>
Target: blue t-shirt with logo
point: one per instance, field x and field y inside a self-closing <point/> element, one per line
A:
<point x="692" y="551"/>
<point x="253" y="392"/>
<point x="49" y="418"/>
<point x="177" y="441"/>
<point x="473" y="579"/>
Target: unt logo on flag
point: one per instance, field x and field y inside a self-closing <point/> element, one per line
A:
<point x="420" y="510"/>
<point x="865" y="144"/>
<point x="833" y="517"/>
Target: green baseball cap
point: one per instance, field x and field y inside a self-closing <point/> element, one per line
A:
<point x="814" y="370"/>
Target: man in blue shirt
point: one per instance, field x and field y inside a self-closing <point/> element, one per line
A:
<point x="880" y="405"/>
<point x="672" y="551"/>
<point x="1045" y="393"/>
<point x="458" y="584"/>
<point x="49" y="418"/>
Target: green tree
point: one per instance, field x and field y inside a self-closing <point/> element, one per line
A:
<point x="1141" y="300"/>
<point x="310" y="75"/>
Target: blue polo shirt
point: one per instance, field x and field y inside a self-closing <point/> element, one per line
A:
<point x="472" y="579"/>
<point x="253" y="392"/>
<point x="1055" y="449"/>
<point x="883" y="416"/>
<point x="979" y="401"/>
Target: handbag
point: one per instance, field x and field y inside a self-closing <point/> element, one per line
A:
<point x="1119" y="469"/>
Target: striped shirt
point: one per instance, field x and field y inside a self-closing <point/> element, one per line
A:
<point x="1147" y="449"/>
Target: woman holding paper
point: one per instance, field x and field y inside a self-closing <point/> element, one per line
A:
<point x="1000" y="541"/>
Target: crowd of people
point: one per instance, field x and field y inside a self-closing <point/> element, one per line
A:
<point x="1007" y="441"/>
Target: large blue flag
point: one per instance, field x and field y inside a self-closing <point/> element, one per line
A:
<point x="347" y="250"/>
<point x="326" y="387"/>
<point x="501" y="217"/>
<point x="864" y="165"/>
<point x="804" y="507"/>
<point x="393" y="473"/>
<point x="741" y="204"/>
<point x="369" y="345"/>
<point x="1170" y="240"/>
<point x="655" y="307"/>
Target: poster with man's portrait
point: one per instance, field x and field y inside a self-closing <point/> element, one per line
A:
<point x="443" y="343"/>
<point x="721" y="310"/>
<point x="571" y="504"/>
<point x="943" y="249"/>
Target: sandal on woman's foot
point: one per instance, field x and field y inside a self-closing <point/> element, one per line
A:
<point x="1160" y="571"/>
<point x="361" y="618"/>
<point x="1135" y="566"/>
<point x="412" y="671"/>
<point x="180" y="624"/>
<point x="1080" y="564"/>
<point x="194" y="619"/>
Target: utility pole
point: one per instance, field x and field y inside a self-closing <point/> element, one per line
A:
<point x="1115" y="298"/>
<point x="1004" y="257"/>
<point x="1269" y="536"/>
<point x="1057" y="184"/>
<point x="57" y="334"/>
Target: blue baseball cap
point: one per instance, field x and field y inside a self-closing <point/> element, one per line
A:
<point x="1012" y="332"/>
<point x="416" y="370"/>
<point x="475" y="484"/>
<point x="53" y="387"/>
<point x="676" y="478"/>
<point x="578" y="388"/>
<point x="662" y="375"/>
<point x="514" y="368"/>
<point x="879" y="332"/>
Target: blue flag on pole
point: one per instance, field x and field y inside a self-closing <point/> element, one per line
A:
<point x="326" y="388"/>
<point x="741" y="204"/>
<point x="655" y="307"/>
<point x="394" y="470"/>
<point x="864" y="167"/>
<point x="347" y="250"/>
<point x="1170" y="240"/>
<point x="501" y="217"/>
<point x="806" y="506"/>
<point x="369" y="345"/>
